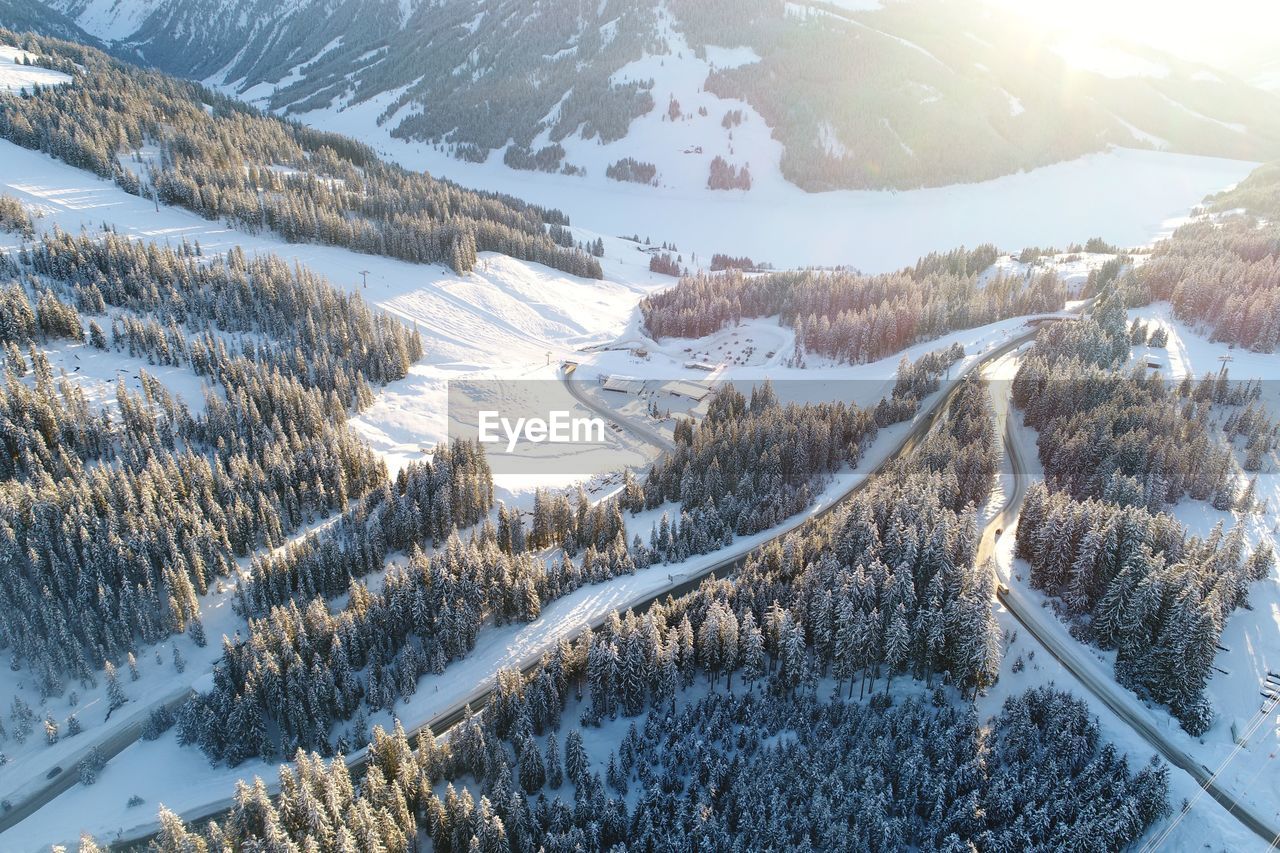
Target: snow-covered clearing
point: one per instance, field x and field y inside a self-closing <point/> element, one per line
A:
<point x="96" y="372"/>
<point x="730" y="57"/>
<point x="771" y="346"/>
<point x="1072" y="268"/>
<point x="15" y="77"/>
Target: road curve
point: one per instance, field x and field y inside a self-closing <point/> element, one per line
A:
<point x="1105" y="690"/>
<point x="637" y="430"/>
<point x="447" y="719"/>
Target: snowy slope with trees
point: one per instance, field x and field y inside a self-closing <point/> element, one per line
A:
<point x="353" y="602"/>
<point x="928" y="108"/>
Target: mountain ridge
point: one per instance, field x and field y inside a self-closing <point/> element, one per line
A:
<point x="900" y="96"/>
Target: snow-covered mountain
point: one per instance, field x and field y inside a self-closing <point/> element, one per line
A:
<point x="857" y="94"/>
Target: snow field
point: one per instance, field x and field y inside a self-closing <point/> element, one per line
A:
<point x="17" y="78"/>
<point x="1124" y="196"/>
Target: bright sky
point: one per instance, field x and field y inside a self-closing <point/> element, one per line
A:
<point x="1230" y="33"/>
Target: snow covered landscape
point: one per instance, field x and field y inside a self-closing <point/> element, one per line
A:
<point x="963" y="487"/>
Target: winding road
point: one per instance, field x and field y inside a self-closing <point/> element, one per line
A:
<point x="442" y="722"/>
<point x="1028" y="616"/>
<point x="1036" y="621"/>
<point x="644" y="433"/>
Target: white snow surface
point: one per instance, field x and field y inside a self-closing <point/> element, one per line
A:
<point x="15" y="77"/>
<point x="1124" y="195"/>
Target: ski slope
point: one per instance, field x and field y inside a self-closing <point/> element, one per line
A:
<point x="507" y="318"/>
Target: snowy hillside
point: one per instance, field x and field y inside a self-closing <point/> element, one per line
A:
<point x="18" y="71"/>
<point x="884" y="96"/>
<point x="501" y="320"/>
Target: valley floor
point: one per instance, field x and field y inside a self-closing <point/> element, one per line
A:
<point x="1127" y="197"/>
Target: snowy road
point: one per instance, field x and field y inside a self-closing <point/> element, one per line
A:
<point x="676" y="584"/>
<point x="1035" y="620"/>
<point x="644" y="433"/>
<point x="68" y="773"/>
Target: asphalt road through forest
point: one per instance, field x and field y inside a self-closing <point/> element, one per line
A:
<point x="1034" y="620"/>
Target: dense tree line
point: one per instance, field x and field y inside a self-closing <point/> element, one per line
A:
<point x="720" y="261"/>
<point x="1222" y="277"/>
<point x="1108" y="431"/>
<point x="966" y="452"/>
<point x="297" y="673"/>
<point x="1135" y="582"/>
<point x="630" y="169"/>
<point x="748" y="465"/>
<point x="1258" y="194"/>
<point x="850" y="317"/>
<point x="530" y="69"/>
<point x="327" y="339"/>
<point x="546" y="159"/>
<point x="665" y="263"/>
<point x="724" y="772"/>
<point x="226" y="161"/>
<point x="426" y="503"/>
<point x="112" y="526"/>
<point x="1117" y="447"/>
<point x="14" y="217"/>
<point x="724" y="175"/>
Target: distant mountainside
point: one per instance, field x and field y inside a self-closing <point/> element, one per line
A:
<point x="908" y="94"/>
<point x="23" y="15"/>
<point x="185" y="145"/>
